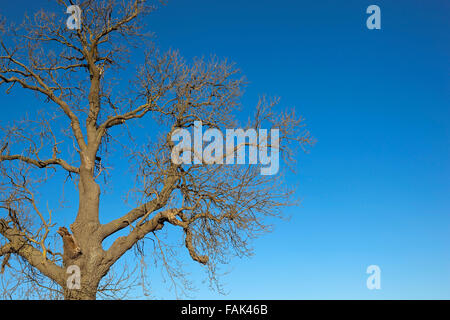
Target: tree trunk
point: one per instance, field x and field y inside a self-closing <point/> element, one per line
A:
<point x="85" y="293"/>
<point x="85" y="232"/>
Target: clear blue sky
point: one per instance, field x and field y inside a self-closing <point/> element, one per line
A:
<point x="375" y="188"/>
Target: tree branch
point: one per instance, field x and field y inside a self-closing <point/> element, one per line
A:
<point x="19" y="244"/>
<point x="139" y="212"/>
<point x="40" y="163"/>
<point x="123" y="244"/>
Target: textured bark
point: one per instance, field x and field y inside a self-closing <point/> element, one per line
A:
<point x="85" y="293"/>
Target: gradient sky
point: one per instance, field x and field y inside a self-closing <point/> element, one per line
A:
<point x="375" y="188"/>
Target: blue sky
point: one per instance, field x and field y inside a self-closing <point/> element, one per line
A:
<point x="375" y="188"/>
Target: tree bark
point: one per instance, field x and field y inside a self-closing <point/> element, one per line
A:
<point x="86" y="233"/>
<point x="85" y="293"/>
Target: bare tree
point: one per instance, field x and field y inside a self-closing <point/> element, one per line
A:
<point x="217" y="209"/>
